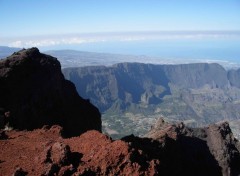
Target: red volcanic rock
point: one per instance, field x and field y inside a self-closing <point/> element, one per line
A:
<point x="106" y="157"/>
<point x="175" y="150"/>
<point x="33" y="93"/>
<point x="45" y="152"/>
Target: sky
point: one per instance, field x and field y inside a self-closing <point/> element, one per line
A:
<point x="26" y="23"/>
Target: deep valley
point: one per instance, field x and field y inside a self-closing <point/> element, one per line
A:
<point x="132" y="96"/>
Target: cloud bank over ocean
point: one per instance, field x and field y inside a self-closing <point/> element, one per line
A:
<point x="73" y="39"/>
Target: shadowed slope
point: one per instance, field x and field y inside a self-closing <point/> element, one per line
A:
<point x="34" y="93"/>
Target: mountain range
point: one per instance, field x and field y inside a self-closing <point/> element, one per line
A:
<point x="132" y="96"/>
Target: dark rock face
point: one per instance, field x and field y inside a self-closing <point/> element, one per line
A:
<point x="198" y="151"/>
<point x="197" y="75"/>
<point x="33" y="93"/>
<point x="20" y="172"/>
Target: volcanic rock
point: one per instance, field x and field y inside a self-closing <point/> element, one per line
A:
<point x="33" y="93"/>
<point x="20" y="172"/>
<point x="45" y="152"/>
<point x="212" y="150"/>
<point x="175" y="150"/>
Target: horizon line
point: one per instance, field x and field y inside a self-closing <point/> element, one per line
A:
<point x="185" y="31"/>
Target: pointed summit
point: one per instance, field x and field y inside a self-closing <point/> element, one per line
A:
<point x="34" y="92"/>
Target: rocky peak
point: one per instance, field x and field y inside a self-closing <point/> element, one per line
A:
<point x="34" y="92"/>
<point x="163" y="129"/>
<point x="213" y="148"/>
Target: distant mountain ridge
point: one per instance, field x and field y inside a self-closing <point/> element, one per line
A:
<point x="135" y="78"/>
<point x="198" y="93"/>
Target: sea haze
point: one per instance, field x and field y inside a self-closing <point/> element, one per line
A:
<point x="224" y="52"/>
<point x="164" y="47"/>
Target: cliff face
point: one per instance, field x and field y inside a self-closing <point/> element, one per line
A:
<point x="142" y="83"/>
<point x="33" y="93"/>
<point x="234" y="77"/>
<point x="198" y="94"/>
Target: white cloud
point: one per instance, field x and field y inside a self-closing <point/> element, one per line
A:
<point x="45" y="41"/>
<point x="16" y="44"/>
<point x="52" y="42"/>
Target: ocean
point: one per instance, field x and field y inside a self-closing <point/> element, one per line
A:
<point x="224" y="51"/>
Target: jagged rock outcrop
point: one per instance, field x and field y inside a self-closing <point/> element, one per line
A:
<point x="212" y="150"/>
<point x="33" y="93"/>
<point x="172" y="150"/>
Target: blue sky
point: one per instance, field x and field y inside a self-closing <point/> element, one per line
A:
<point x="36" y="22"/>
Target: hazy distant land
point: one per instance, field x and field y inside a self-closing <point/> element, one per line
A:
<point x="75" y="58"/>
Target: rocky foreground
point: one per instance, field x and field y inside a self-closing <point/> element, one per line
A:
<point x="64" y="132"/>
<point x="171" y="150"/>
